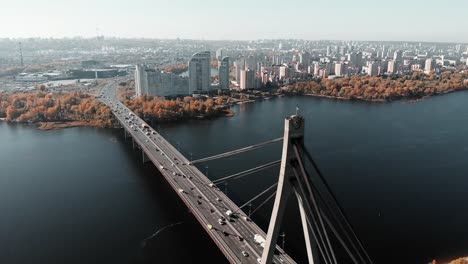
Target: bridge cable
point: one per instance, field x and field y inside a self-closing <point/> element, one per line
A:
<point x="258" y="195"/>
<point x="247" y="172"/>
<point x="335" y="200"/>
<point x="321" y="231"/>
<point x="237" y="151"/>
<point x="263" y="203"/>
<point x="311" y="189"/>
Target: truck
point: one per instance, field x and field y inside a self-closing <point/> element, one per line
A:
<point x="259" y="240"/>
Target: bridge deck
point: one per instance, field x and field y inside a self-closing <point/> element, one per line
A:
<point x="206" y="203"/>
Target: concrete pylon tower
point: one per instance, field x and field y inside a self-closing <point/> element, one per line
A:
<point x="293" y="134"/>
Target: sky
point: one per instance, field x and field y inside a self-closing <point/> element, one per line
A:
<point x="411" y="20"/>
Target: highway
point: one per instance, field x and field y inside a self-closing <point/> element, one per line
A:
<point x="234" y="234"/>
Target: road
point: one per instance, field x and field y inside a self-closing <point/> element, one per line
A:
<point x="235" y="234"/>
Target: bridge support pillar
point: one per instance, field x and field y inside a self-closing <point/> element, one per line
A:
<point x="294" y="132"/>
<point x="144" y="157"/>
<point x="125" y="134"/>
<point x="133" y="143"/>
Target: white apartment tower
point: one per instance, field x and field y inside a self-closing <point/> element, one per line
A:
<point x="247" y="79"/>
<point x="429" y="66"/>
<point x="199" y="72"/>
<point x="223" y="73"/>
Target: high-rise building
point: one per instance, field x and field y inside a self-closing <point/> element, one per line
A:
<point x="328" y="51"/>
<point x="373" y="68"/>
<point x="355" y="58"/>
<point x="219" y="54"/>
<point x="285" y="72"/>
<point x="247" y="79"/>
<point x="141" y="82"/>
<point x="340" y="69"/>
<point x="199" y="72"/>
<point x="304" y="59"/>
<point x="154" y="82"/>
<point x="429" y="66"/>
<point x="223" y="73"/>
<point x="398" y="55"/>
<point x="251" y="63"/>
<point x="239" y="65"/>
<point x="392" y="66"/>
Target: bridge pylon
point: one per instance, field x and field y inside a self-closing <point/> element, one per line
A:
<point x="288" y="183"/>
<point x="323" y="221"/>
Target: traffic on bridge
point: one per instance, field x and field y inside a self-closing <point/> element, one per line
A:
<point x="239" y="238"/>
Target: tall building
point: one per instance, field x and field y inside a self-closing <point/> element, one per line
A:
<point x="304" y="59"/>
<point x="340" y="69"/>
<point x="199" y="72"/>
<point x="251" y="63"/>
<point x="373" y="68"/>
<point x="223" y="73"/>
<point x="429" y="66"/>
<point x="239" y="65"/>
<point x="392" y="66"/>
<point x="355" y="58"/>
<point x="219" y="54"/>
<point x="141" y="81"/>
<point x="247" y="79"/>
<point x="398" y="55"/>
<point x="328" y="51"/>
<point x="154" y="82"/>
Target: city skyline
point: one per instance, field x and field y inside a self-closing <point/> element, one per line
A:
<point x="209" y="20"/>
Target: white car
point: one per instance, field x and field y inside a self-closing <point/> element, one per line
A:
<point x="244" y="253"/>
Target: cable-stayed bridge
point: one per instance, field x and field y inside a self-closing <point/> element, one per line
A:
<point x="324" y="224"/>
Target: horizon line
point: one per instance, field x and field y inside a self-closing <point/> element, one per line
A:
<point x="232" y="40"/>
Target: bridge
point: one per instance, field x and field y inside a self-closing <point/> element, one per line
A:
<point x="232" y="230"/>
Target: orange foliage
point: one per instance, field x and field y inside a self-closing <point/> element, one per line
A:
<point x="378" y="88"/>
<point x="40" y="107"/>
<point x="159" y="109"/>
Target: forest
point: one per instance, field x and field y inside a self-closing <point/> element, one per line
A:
<point x="53" y="107"/>
<point x="162" y="110"/>
<point x="368" y="88"/>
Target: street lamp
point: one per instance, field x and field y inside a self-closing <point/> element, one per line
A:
<point x="283" y="236"/>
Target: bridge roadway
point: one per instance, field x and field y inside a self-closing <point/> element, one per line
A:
<point x="205" y="201"/>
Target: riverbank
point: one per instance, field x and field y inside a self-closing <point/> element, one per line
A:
<point x="45" y="126"/>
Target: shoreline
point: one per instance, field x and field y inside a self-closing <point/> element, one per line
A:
<point x="55" y="125"/>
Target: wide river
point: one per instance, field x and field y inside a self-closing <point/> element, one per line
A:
<point x="82" y="195"/>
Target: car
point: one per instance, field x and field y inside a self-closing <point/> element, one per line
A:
<point x="221" y="221"/>
<point x="157" y="149"/>
<point x="161" y="167"/>
<point x="244" y="253"/>
<point x="217" y="199"/>
<point x="174" y="173"/>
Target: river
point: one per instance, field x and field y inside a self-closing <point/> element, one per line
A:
<point x="82" y="195"/>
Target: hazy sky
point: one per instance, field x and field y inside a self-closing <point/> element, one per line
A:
<point x="418" y="20"/>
